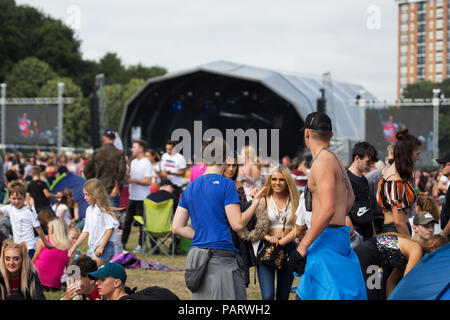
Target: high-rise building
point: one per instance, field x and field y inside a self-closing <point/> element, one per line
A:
<point x="424" y="33"/>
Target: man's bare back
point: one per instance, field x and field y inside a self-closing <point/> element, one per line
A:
<point x="326" y="182"/>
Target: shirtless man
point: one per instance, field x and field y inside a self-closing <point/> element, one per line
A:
<point x="332" y="269"/>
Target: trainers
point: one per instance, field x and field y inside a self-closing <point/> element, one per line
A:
<point x="138" y="249"/>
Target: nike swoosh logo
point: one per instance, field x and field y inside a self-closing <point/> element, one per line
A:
<point x="361" y="211"/>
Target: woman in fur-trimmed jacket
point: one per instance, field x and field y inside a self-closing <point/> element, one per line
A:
<point x="275" y="218"/>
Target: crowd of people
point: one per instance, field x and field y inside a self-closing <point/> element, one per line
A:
<point x="308" y="216"/>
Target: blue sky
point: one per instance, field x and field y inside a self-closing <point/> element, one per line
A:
<point x="356" y="41"/>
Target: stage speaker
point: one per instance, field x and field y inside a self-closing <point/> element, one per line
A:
<point x="95" y="118"/>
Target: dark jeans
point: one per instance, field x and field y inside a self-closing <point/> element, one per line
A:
<point x="115" y="201"/>
<point x="266" y="277"/>
<point x="134" y="208"/>
<point x="31" y="253"/>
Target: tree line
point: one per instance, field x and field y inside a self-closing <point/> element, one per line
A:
<point x="38" y="51"/>
<point x="424" y="90"/>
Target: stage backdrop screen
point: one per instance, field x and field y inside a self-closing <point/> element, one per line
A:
<point x="31" y="125"/>
<point x="383" y="124"/>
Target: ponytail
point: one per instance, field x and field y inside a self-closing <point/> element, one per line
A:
<point x="403" y="153"/>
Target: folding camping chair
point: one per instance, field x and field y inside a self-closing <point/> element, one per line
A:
<point x="157" y="224"/>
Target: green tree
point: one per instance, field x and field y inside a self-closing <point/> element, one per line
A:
<point x="141" y="72"/>
<point x="76" y="117"/>
<point x="26" y="32"/>
<point x="420" y="90"/>
<point x="111" y="66"/>
<point x="117" y="95"/>
<point x="28" y="76"/>
<point x="424" y="90"/>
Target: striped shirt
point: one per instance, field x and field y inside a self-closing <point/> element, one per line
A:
<point x="396" y="192"/>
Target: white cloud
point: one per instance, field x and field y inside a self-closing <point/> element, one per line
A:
<point x="288" y="35"/>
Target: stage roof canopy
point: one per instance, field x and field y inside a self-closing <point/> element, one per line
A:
<point x="300" y="91"/>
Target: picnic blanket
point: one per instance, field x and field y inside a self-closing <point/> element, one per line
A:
<point x="130" y="261"/>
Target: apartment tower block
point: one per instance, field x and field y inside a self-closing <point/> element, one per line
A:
<point x="423" y="42"/>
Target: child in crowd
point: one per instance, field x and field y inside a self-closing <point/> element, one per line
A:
<point x="73" y="234"/>
<point x="24" y="220"/>
<point x="44" y="217"/>
<point x="100" y="225"/>
<point x="50" y="264"/>
<point x="63" y="207"/>
<point x="38" y="190"/>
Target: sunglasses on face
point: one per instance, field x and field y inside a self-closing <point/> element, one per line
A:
<point x="391" y="161"/>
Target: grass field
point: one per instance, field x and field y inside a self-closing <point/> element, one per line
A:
<point x="172" y="280"/>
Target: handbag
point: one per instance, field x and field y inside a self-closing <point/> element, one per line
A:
<point x="193" y="276"/>
<point x="273" y="255"/>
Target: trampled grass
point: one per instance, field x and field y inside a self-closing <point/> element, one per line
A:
<point x="172" y="280"/>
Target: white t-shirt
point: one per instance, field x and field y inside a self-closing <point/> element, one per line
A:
<point x="303" y="216"/>
<point x="23" y="222"/>
<point x="96" y="224"/>
<point x="140" y="169"/>
<point x="173" y="163"/>
<point x="63" y="211"/>
<point x="445" y="179"/>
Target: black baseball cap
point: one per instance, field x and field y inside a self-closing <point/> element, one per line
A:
<point x="109" y="133"/>
<point x="318" y="121"/>
<point x="444" y="159"/>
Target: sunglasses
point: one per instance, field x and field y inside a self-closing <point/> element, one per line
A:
<point x="391" y="161"/>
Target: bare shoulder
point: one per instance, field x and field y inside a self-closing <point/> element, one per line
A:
<point x="391" y="174"/>
<point x="407" y="246"/>
<point x="323" y="165"/>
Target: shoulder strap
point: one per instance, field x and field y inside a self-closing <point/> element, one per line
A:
<point x="344" y="176"/>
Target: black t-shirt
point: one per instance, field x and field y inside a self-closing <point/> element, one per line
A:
<point x="361" y="189"/>
<point x="36" y="190"/>
<point x="161" y="196"/>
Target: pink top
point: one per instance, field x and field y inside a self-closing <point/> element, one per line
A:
<point x="50" y="265"/>
<point x="197" y="170"/>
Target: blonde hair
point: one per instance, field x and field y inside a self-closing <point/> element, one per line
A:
<point x="293" y="193"/>
<point x="390" y="150"/>
<point x="95" y="188"/>
<point x="73" y="227"/>
<point x="27" y="270"/>
<point x="251" y="153"/>
<point x="58" y="233"/>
